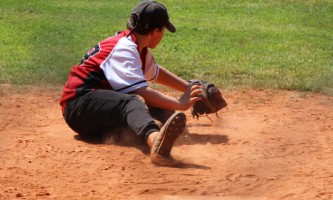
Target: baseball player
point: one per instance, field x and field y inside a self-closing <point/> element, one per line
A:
<point x="101" y="93"/>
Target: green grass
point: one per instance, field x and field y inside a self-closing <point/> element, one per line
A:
<point x="261" y="44"/>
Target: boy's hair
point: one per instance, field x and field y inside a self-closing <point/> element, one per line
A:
<point x="147" y="16"/>
<point x="133" y="25"/>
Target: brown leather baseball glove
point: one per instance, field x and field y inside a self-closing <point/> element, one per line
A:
<point x="211" y="102"/>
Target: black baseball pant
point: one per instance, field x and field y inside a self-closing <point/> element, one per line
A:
<point x="101" y="111"/>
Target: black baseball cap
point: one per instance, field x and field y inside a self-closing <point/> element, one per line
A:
<point x="152" y="14"/>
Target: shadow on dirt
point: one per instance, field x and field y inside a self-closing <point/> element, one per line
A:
<point x="128" y="139"/>
<point x="196" y="138"/>
<point x="184" y="165"/>
<point x="89" y="140"/>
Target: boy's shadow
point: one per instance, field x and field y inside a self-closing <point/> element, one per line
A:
<point x="127" y="138"/>
<point x="193" y="138"/>
<point x="89" y="140"/>
<point x="120" y="137"/>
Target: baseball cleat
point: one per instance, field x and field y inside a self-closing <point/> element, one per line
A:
<point x="167" y="136"/>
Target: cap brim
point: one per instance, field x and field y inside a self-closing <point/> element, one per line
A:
<point x="170" y="27"/>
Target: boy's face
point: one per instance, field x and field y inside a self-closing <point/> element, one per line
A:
<point x="156" y="37"/>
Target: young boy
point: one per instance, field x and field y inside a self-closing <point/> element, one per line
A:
<point x="101" y="92"/>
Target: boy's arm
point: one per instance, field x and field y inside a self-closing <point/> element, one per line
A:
<point x="165" y="77"/>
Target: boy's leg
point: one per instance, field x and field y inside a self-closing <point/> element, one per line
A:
<point x="161" y="143"/>
<point x="160" y="115"/>
<point x="102" y="110"/>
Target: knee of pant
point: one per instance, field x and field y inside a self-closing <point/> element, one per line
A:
<point x="161" y="115"/>
<point x="138" y="97"/>
<point x="135" y="102"/>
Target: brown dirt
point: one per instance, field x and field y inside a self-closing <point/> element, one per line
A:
<point x="267" y="145"/>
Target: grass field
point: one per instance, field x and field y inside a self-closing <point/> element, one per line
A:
<point x="284" y="44"/>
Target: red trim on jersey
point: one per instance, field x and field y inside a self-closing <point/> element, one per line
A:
<point x="143" y="58"/>
<point x="88" y="75"/>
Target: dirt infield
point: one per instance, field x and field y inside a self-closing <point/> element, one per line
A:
<point x="267" y="145"/>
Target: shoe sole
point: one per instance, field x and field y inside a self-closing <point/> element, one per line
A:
<point x="171" y="130"/>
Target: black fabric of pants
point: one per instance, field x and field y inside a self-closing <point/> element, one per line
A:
<point x="100" y="111"/>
